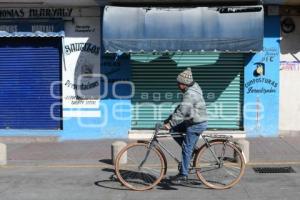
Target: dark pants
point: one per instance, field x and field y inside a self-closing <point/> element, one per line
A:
<point x="188" y="141"/>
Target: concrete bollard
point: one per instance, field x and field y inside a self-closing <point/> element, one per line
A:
<point x="244" y="144"/>
<point x="3" y="154"/>
<point x="116" y="147"/>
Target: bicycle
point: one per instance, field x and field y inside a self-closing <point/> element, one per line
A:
<point x="219" y="163"/>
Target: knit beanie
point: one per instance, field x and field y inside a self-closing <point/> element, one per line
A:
<point x="185" y="77"/>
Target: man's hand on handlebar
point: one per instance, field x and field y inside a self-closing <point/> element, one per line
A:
<point x="167" y="126"/>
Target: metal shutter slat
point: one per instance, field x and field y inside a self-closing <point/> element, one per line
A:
<point x="221" y="74"/>
<point x="28" y="66"/>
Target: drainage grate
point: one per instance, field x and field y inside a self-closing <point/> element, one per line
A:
<point x="273" y="170"/>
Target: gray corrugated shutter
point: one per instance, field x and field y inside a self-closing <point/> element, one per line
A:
<point x="156" y="95"/>
<point x="28" y="67"/>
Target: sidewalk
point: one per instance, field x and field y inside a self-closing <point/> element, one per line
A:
<point x="263" y="151"/>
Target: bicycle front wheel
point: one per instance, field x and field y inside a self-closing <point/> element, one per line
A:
<point x="139" y="167"/>
<point x="220" y="166"/>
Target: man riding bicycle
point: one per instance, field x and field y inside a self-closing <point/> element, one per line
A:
<point x="189" y="117"/>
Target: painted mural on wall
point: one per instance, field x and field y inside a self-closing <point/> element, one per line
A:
<point x="81" y="79"/>
<point x="261" y="86"/>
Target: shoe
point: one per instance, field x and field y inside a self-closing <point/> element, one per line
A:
<point x="179" y="178"/>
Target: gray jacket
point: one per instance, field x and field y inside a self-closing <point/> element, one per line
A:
<point x="191" y="109"/>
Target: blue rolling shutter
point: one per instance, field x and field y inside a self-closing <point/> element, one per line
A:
<point x="28" y="67"/>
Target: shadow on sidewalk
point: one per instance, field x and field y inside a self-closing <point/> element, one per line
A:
<point x="165" y="184"/>
<point x="106" y="161"/>
<point x="109" y="183"/>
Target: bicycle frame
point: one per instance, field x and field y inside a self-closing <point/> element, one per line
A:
<point x="154" y="142"/>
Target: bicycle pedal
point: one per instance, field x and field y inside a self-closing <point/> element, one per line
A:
<point x="165" y="180"/>
<point x="113" y="177"/>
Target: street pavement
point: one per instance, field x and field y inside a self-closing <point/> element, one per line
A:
<point x="92" y="183"/>
<point x="72" y="170"/>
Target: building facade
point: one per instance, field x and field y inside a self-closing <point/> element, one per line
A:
<point x="64" y="75"/>
<point x="241" y="86"/>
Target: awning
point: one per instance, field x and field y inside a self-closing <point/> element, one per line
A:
<point x="231" y="29"/>
<point x="190" y="2"/>
<point x="22" y="28"/>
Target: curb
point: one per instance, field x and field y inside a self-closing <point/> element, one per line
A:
<point x="250" y="164"/>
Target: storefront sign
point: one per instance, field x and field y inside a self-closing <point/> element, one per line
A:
<point x="81" y="80"/>
<point x="7" y="13"/>
<point x="260" y="85"/>
<point x="87" y="47"/>
<point x="290" y="66"/>
<point x="32" y="26"/>
<point x="82" y="86"/>
<point x="84" y="29"/>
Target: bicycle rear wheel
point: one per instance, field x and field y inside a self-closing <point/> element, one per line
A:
<point x="223" y="175"/>
<point x="138" y="167"/>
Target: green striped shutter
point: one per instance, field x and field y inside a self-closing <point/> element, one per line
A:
<point x="220" y="76"/>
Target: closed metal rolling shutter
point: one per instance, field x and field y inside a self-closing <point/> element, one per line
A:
<point x="156" y="94"/>
<point x="28" y="67"/>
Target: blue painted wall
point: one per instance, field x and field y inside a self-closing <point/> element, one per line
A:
<point x="115" y="107"/>
<point x="114" y="122"/>
<point x="261" y="103"/>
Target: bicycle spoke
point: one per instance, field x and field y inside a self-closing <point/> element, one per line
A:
<point x="144" y="177"/>
<point x="205" y="159"/>
<point x="130" y="177"/>
<point x="219" y="175"/>
<point x="148" y="178"/>
<point x="229" y="172"/>
<point x="151" y="170"/>
<point x="233" y="168"/>
<point x="143" y="167"/>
